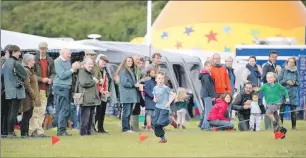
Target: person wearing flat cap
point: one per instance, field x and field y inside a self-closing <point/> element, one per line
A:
<point x="97" y="74"/>
<point x="45" y="72"/>
<point x="107" y="91"/>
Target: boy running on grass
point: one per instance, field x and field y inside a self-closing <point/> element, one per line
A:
<point x="272" y="92"/>
<point x="163" y="97"/>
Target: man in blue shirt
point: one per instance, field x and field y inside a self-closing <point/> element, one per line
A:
<point x="61" y="86"/>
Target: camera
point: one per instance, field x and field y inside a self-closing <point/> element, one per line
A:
<point x="19" y="85"/>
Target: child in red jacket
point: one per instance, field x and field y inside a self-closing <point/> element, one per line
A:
<point x="216" y="117"/>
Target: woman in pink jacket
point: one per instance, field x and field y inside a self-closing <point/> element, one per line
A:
<point x="216" y="117"/>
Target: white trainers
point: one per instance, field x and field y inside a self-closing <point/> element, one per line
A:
<point x="130" y="131"/>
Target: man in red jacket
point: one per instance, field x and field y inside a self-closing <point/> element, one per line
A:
<point x="220" y="76"/>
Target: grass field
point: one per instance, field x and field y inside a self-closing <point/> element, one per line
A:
<point x="181" y="143"/>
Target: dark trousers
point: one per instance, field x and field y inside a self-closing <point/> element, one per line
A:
<point x="62" y="107"/>
<point x="24" y="126"/>
<point x="14" y="105"/>
<point x="4" y="114"/>
<point x="243" y="125"/>
<point x="100" y="115"/>
<point x="86" y="119"/>
<point x="160" y="120"/>
<point x="126" y="116"/>
<point x="292" y="114"/>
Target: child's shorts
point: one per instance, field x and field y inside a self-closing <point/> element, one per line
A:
<point x="271" y="108"/>
<point x="161" y="117"/>
<point x="149" y="112"/>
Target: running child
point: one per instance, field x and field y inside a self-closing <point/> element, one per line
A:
<point x="272" y="92"/>
<point x="163" y="97"/>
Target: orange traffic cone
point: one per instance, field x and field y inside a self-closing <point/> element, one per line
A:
<point x="142" y="137"/>
<point x="278" y="135"/>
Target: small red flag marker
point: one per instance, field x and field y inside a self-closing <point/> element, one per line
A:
<point x="142" y="137"/>
<point x="55" y="140"/>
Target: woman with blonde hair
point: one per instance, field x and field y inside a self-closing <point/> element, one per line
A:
<point x="128" y="92"/>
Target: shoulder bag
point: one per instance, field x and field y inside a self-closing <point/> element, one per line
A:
<point x="78" y="98"/>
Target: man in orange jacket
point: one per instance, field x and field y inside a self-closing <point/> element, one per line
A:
<point x="220" y="76"/>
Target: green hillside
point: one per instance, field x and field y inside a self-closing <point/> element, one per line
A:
<point x="114" y="20"/>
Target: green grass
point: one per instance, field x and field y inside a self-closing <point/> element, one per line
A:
<point x="181" y="143"/>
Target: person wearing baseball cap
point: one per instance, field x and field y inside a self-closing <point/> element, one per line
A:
<point x="45" y="72"/>
<point x="107" y="91"/>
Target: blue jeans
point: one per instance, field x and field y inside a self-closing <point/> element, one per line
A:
<point x="62" y="107"/>
<point x="222" y="124"/>
<point x="207" y="102"/>
<point x="126" y="115"/>
<point x="160" y="120"/>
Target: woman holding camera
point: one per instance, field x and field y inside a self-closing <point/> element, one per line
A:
<point x="14" y="76"/>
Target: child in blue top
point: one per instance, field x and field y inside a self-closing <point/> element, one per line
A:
<point x="163" y="97"/>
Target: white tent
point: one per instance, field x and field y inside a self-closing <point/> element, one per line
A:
<point x="27" y="41"/>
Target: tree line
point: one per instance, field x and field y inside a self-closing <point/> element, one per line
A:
<point x="114" y="20"/>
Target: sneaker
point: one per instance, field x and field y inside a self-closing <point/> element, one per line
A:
<point x="173" y="122"/>
<point x="231" y="129"/>
<point x="12" y="135"/>
<point x="102" y="131"/>
<point x="42" y="136"/>
<point x="284" y="131"/>
<point x="183" y="127"/>
<point x="178" y="126"/>
<point x="129" y="131"/>
<point x="163" y="141"/>
<point x="64" y="134"/>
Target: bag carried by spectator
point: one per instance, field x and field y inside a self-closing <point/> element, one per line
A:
<point x="20" y="81"/>
<point x="78" y="98"/>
